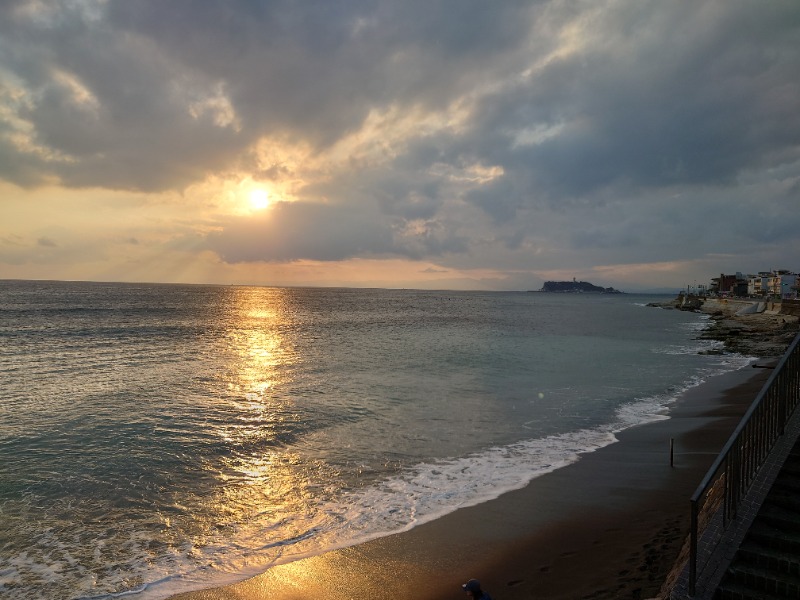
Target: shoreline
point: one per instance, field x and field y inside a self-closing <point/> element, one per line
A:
<point x="610" y="525"/>
<point x="742" y="326"/>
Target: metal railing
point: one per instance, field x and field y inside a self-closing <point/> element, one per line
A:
<point x="734" y="470"/>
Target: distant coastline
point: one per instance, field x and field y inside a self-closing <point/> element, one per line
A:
<point x="576" y="287"/>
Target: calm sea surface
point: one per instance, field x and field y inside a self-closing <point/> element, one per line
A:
<point x="159" y="438"/>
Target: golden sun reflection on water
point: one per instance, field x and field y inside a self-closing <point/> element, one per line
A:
<point x="259" y="353"/>
<point x="345" y="574"/>
<point x="264" y="489"/>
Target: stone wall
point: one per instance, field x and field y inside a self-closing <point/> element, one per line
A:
<point x="790" y="307"/>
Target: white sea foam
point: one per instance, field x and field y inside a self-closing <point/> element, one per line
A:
<point x="418" y="495"/>
<point x="428" y="491"/>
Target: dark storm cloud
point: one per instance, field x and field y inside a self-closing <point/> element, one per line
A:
<point x="683" y="92"/>
<point x="606" y="112"/>
<point x="298" y="230"/>
<point x="105" y="109"/>
<point x="312" y="70"/>
<point x="319" y="67"/>
<point x="706" y="97"/>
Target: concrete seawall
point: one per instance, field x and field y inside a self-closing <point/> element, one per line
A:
<point x="789" y="307"/>
<point x="733" y="306"/>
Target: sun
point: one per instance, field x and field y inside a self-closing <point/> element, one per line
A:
<point x="259" y="198"/>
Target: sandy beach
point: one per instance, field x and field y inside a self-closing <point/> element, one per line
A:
<point x="608" y="526"/>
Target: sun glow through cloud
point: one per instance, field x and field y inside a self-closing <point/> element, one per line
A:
<point x="259" y="199"/>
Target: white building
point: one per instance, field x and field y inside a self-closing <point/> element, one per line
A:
<point x="753" y="285"/>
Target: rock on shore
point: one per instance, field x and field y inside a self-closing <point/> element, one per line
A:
<point x="740" y="326"/>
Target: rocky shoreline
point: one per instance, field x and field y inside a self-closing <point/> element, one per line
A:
<point x="740" y="326"/>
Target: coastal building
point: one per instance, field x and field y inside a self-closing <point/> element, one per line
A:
<point x="779" y="284"/>
<point x="782" y="284"/>
<point x="729" y="285"/>
<point x="753" y="285"/>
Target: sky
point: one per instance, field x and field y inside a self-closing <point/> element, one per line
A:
<point x="440" y="144"/>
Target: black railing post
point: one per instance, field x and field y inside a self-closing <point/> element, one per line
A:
<point x="782" y="404"/>
<point x="693" y="534"/>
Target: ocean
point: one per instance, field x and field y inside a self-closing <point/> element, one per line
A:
<point x="162" y="438"/>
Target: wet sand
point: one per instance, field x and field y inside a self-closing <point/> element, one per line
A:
<point x="608" y="526"/>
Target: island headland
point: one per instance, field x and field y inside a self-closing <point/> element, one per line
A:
<point x="576" y="287"/>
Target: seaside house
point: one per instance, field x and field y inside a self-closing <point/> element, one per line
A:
<point x="757" y="285"/>
<point x="729" y="285"/>
<point x="753" y="285"/>
<point x="765" y="275"/>
<point x="778" y="284"/>
<point x="782" y="284"/>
